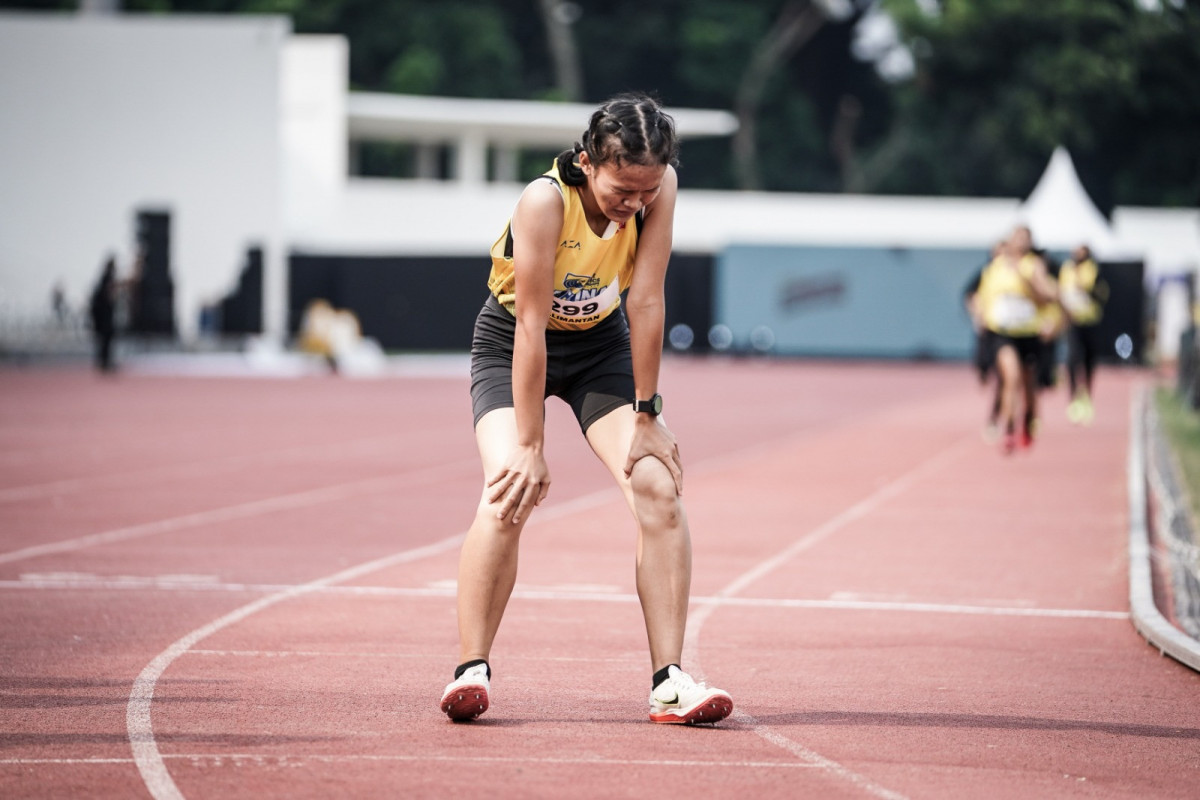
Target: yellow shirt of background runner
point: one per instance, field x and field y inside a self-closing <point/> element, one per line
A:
<point x="1076" y="283"/>
<point x="1007" y="300"/>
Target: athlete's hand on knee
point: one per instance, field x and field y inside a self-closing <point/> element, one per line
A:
<point x="651" y="438"/>
<point x="521" y="484"/>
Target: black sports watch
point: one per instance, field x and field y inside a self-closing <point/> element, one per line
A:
<point x="653" y="406"/>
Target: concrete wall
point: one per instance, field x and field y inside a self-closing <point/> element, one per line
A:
<point x="103" y="115"/>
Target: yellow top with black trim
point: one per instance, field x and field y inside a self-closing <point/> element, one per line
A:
<point x="1007" y="300"/>
<point x="590" y="271"/>
<point x="1078" y="290"/>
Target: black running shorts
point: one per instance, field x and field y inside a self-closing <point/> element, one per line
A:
<point x="1028" y="347"/>
<point x="592" y="369"/>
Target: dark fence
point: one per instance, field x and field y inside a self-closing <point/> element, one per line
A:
<point x="430" y="303"/>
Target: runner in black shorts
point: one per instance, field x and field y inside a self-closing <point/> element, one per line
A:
<point x="1010" y="303"/>
<point x="595" y="226"/>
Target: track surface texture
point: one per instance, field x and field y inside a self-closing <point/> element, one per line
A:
<point x="244" y="588"/>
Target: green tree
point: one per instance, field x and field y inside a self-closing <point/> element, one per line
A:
<point x="1000" y="83"/>
<point x="704" y="53"/>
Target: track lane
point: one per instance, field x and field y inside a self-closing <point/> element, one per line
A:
<point x="334" y="686"/>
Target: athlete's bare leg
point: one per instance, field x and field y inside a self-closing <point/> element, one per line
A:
<point x="1029" y="382"/>
<point x="1008" y="370"/>
<point x="487" y="566"/>
<point x="664" y="545"/>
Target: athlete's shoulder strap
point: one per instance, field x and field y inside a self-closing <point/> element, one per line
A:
<point x="508" y="240"/>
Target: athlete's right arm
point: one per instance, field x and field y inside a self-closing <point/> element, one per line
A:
<point x="536" y="224"/>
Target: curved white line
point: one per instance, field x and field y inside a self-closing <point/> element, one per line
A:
<point x="138" y="723"/>
<point x="137" y="714"/>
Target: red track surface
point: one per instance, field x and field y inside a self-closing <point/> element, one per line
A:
<point x="244" y="588"/>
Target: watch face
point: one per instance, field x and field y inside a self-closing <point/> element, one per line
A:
<point x="653" y="406"/>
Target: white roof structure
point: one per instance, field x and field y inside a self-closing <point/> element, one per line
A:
<point x="473" y="126"/>
<point x="1169" y="237"/>
<point x="1062" y="216"/>
<point x="399" y="117"/>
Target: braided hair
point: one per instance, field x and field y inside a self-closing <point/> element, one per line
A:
<point x="631" y="128"/>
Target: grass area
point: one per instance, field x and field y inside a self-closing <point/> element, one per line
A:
<point x="1181" y="425"/>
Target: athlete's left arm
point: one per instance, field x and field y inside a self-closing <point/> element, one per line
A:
<point x="1045" y="288"/>
<point x="645" y="307"/>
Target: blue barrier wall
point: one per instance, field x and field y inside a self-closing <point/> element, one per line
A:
<point x="852" y="302"/>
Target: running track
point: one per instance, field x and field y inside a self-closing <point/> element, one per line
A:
<point x="228" y="588"/>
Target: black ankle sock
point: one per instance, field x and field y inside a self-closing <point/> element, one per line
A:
<point x="662" y="675"/>
<point x="461" y="668"/>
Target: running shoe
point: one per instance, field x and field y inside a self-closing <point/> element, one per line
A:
<point x="1009" y="443"/>
<point x="1075" y="410"/>
<point x="991" y="433"/>
<point x="680" y="700"/>
<point x="1029" y="432"/>
<point x="467" y="696"/>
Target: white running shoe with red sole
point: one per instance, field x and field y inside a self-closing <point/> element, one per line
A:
<point x="466" y="697"/>
<point x="679" y="700"/>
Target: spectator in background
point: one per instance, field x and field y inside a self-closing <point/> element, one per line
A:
<point x="58" y="303"/>
<point x="329" y="332"/>
<point x="1083" y="295"/>
<point x="102" y="308"/>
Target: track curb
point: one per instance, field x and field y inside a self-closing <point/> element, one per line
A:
<point x="1146" y="617"/>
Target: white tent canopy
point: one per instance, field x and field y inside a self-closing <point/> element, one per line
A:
<point x="1062" y="216"/>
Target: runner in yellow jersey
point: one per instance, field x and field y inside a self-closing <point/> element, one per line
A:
<point x="1083" y="296"/>
<point x="1013" y="291"/>
<point x="597" y="224"/>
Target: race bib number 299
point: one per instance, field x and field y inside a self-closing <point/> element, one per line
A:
<point x="577" y="304"/>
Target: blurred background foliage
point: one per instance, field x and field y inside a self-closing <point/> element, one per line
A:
<point x="932" y="97"/>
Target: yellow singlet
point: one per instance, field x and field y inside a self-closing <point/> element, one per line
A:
<point x="1008" y="303"/>
<point x="1075" y="284"/>
<point x="590" y="271"/>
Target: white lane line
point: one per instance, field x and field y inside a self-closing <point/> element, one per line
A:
<point x="314" y="453"/>
<point x="240" y="759"/>
<point x="440" y="656"/>
<point x="724" y="597"/>
<point x="254" y="508"/>
<point x="138" y="723"/>
<point x="560" y="595"/>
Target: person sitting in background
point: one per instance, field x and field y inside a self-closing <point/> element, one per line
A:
<point x="329" y="332"/>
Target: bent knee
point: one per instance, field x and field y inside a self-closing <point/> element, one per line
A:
<point x="654" y="488"/>
<point x="485" y="518"/>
